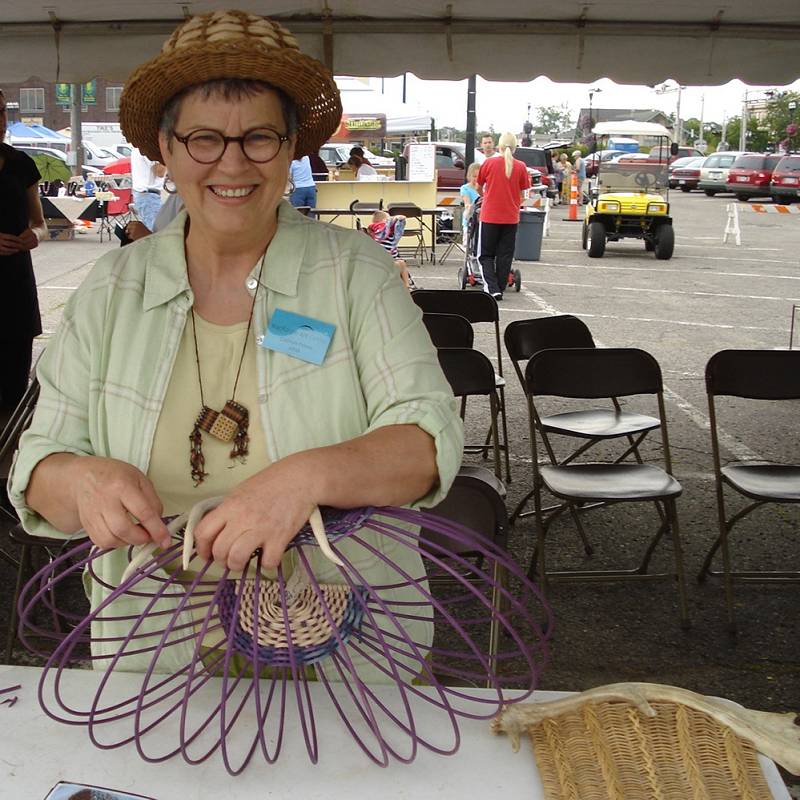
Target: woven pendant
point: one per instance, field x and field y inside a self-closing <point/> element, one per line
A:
<point x="223" y="425"/>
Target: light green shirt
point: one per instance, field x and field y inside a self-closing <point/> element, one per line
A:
<point x="105" y="373"/>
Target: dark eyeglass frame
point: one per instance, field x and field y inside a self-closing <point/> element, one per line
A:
<point x="226" y="140"/>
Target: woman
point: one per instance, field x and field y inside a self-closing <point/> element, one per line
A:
<point x="21" y="227"/>
<point x="502" y="182"/>
<point x="566" y="178"/>
<point x="469" y="191"/>
<point x="165" y="339"/>
<point x="362" y="169"/>
<point x="304" y="190"/>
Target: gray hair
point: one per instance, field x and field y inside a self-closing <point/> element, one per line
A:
<point x="227" y="89"/>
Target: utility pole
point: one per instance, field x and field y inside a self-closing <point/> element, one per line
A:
<point x="702" y="143"/>
<point x="75" y="158"/>
<point x="743" y="126"/>
<point x="666" y="89"/>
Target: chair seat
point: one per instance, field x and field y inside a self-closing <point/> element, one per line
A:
<point x="610" y="482"/>
<point x="485" y="475"/>
<point x="598" y="423"/>
<point x="778" y="482"/>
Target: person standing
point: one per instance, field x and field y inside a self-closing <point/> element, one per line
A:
<point x="502" y="182"/>
<point x="487" y="145"/>
<point x="147" y="179"/>
<point x="301" y="177"/>
<point x="566" y="177"/>
<point x="21" y="226"/>
<point x="579" y="165"/>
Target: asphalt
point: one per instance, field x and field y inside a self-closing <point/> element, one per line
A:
<point x="710" y="296"/>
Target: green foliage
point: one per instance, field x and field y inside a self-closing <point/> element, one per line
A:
<point x="551" y="120"/>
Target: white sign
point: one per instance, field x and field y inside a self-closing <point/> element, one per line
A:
<point x="421" y="162"/>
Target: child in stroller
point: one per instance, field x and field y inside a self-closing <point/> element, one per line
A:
<point x="471" y="274"/>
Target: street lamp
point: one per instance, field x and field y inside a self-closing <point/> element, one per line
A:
<point x="592" y="92"/>
<point x="666" y="89"/>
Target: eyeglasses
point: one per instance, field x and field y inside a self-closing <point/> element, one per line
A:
<point x="259" y="145"/>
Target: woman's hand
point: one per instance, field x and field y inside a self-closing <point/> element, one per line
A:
<point x="28" y="239"/>
<point x="9" y="244"/>
<point x="265" y="511"/>
<point x="116" y="503"/>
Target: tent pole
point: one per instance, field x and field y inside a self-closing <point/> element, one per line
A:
<point x="469" y="154"/>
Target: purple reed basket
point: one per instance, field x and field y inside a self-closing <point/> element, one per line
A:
<point x="268" y="640"/>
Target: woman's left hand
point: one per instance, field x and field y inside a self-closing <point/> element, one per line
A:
<point x="265" y="511"/>
<point x="28" y="239"/>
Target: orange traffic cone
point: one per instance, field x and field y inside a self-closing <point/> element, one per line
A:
<point x="573" y="199"/>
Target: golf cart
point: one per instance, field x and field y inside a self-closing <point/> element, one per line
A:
<point x="630" y="199"/>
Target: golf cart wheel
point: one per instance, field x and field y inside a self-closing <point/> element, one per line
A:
<point x="462" y="278"/>
<point x="517" y="280"/>
<point x="649" y="245"/>
<point x="710" y="192"/>
<point x="665" y="242"/>
<point x="596" y="242"/>
<point x="584" y="235"/>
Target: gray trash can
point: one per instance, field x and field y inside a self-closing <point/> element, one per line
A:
<point x="529" y="235"/>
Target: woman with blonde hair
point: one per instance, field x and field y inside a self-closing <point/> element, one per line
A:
<point x="502" y="182"/>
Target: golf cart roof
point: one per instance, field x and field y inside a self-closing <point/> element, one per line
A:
<point x="630" y="127"/>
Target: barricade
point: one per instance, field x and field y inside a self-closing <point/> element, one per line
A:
<point x="573" y="200"/>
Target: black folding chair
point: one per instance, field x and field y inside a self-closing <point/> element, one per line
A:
<point x="757" y="375"/>
<point x="477" y="307"/>
<point x="476" y="500"/>
<point x="589" y="373"/>
<point x="411" y="211"/>
<point x="590" y="426"/>
<point x="471" y="374"/>
<point x="449" y="330"/>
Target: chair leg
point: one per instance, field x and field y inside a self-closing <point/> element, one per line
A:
<point x="671" y="509"/>
<point x="23" y="570"/>
<point x="499" y="576"/>
<point x="727" y="579"/>
<point x="504" y="425"/>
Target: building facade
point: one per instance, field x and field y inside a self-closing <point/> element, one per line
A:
<point x="46" y="103"/>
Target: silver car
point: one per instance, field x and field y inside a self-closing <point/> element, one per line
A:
<point x="714" y="171"/>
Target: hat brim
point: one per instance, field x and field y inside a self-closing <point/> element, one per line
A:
<point x="304" y="79"/>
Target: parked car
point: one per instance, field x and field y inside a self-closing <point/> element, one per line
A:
<point x="785" y="184"/>
<point x="686" y="175"/>
<point x="540" y="167"/>
<point x="628" y="157"/>
<point x="750" y="175"/>
<point x="52" y="151"/>
<point x="714" y="171"/>
<point x="662" y="153"/>
<point x="600" y="156"/>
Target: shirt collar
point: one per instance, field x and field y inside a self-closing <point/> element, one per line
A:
<point x="166" y="276"/>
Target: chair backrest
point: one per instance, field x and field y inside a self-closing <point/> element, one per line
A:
<point x="304" y="210"/>
<point x="590" y="372"/>
<point x="475" y="306"/>
<point x="474" y="502"/>
<point x="406" y="209"/>
<point x="525" y="337"/>
<point x="468" y="372"/>
<point x="449" y="330"/>
<point x="366" y="207"/>
<point x="755" y="374"/>
<point x="120" y="205"/>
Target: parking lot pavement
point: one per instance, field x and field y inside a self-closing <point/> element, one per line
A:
<point x="708" y="297"/>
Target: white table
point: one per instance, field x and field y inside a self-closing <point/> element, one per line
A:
<point x="35" y="753"/>
<point x="71" y="208"/>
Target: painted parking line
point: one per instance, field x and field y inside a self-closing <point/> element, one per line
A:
<point x="714" y="274"/>
<point x="739" y="450"/>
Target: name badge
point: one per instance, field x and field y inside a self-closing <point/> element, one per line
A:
<point x="299" y="337"/>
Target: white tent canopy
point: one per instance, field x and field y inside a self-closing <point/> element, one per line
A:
<point x="693" y="41"/>
<point x="630" y="127"/>
<point x="359" y="98"/>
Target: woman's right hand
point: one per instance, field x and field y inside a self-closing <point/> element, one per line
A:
<point x="116" y="503"/>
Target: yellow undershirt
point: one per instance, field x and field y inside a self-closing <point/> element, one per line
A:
<point x="220" y="348"/>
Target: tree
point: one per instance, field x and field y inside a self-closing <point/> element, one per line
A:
<point x="782" y="121"/>
<point x="551" y="120"/>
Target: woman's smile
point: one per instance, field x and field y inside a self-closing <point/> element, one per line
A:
<point x="227" y="192"/>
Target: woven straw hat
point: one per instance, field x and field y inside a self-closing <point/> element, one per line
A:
<point x="230" y="44"/>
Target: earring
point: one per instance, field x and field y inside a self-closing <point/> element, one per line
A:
<point x="169" y="184"/>
<point x="292" y="187"/>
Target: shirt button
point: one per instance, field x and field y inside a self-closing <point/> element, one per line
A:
<point x="259" y="339"/>
<point x="252" y="283"/>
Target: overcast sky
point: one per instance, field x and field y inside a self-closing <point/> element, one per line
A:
<point x="504" y="105"/>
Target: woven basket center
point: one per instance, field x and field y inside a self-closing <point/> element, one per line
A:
<point x="308" y="628"/>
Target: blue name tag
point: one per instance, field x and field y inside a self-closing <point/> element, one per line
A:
<point x="298" y="336"/>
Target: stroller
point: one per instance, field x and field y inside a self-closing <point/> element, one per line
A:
<point x="471" y="273"/>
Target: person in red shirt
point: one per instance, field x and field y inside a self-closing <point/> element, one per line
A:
<point x="502" y="182"/>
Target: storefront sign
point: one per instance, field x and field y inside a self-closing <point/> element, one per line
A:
<point x="358" y="127"/>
